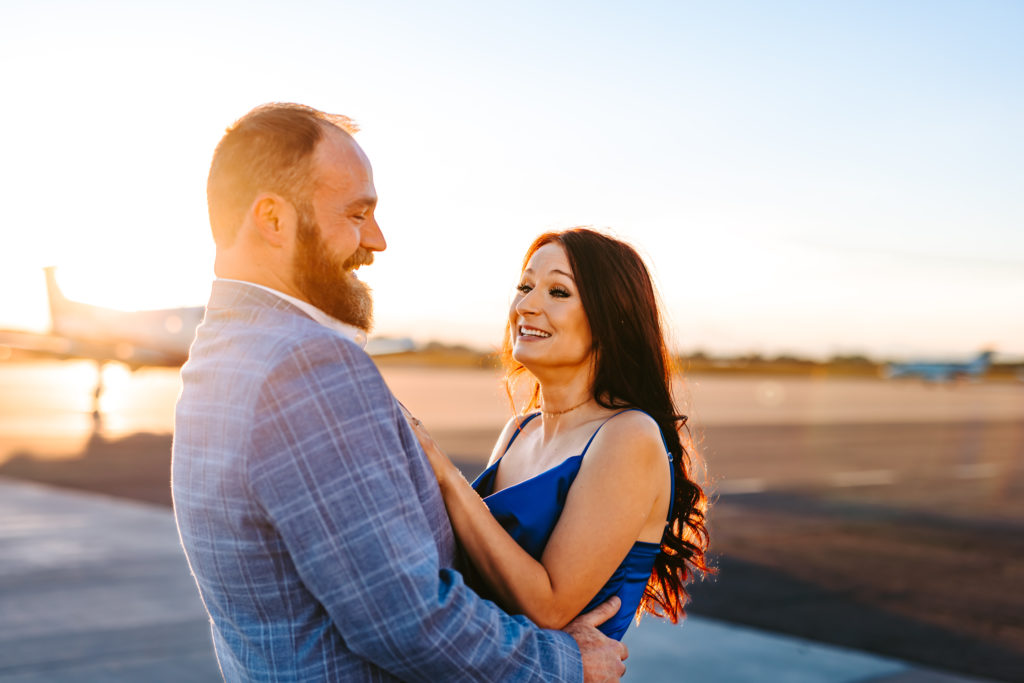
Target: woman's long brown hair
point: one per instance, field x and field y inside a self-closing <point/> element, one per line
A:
<point x="632" y="369"/>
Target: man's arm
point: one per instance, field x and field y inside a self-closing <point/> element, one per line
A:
<point x="333" y="475"/>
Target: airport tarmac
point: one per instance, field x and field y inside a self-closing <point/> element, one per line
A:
<point x="875" y="516"/>
<point x="94" y="588"/>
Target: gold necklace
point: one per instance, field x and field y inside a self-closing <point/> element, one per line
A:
<point x="556" y="413"/>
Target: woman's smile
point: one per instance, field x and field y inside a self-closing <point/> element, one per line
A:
<point x="527" y="333"/>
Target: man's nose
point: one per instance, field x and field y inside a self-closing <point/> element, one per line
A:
<point x="372" y="237"/>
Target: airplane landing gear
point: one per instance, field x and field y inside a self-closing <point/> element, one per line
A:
<point x="98" y="391"/>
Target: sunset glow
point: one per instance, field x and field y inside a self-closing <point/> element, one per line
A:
<point x="795" y="187"/>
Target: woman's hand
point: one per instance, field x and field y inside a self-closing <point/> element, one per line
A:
<point x="442" y="465"/>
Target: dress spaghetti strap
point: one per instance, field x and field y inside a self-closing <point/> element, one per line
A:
<point x="671" y="474"/>
<point x="518" y="429"/>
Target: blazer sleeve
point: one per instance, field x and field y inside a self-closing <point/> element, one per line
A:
<point x="330" y="470"/>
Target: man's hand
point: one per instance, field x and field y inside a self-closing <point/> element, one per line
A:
<point x="442" y="465"/>
<point x="602" y="657"/>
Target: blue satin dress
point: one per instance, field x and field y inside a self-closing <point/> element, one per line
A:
<point x="529" y="511"/>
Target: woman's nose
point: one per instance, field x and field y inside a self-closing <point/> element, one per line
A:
<point x="526" y="304"/>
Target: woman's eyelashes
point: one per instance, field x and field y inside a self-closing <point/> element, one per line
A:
<point x="556" y="291"/>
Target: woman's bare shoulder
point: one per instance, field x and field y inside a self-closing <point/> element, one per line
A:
<point x="631" y="435"/>
<point x="635" y="424"/>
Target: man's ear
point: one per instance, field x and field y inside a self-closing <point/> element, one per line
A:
<point x="274" y="219"/>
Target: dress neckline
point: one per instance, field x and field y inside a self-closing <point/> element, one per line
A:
<point x="494" y="466"/>
<point x="554" y="467"/>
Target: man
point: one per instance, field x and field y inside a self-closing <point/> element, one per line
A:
<point x="310" y="517"/>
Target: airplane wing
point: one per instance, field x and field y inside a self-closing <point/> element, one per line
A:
<point x="36" y="342"/>
<point x="57" y="346"/>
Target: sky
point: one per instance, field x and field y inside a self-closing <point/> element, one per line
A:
<point x="801" y="177"/>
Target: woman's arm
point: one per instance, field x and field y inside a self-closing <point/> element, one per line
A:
<point x="623" y="485"/>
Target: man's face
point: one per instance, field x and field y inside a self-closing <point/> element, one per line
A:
<point x="328" y="282"/>
<point x="337" y="232"/>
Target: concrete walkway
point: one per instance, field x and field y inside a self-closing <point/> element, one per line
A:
<point x="97" y="589"/>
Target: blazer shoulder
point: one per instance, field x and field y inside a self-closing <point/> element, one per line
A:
<point x="319" y="346"/>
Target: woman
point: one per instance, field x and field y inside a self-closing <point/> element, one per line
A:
<point x="590" y="495"/>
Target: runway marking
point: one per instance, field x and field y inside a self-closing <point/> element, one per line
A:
<point x="849" y="479"/>
<point x="862" y="478"/>
<point x="980" y="470"/>
<point x="731" y="487"/>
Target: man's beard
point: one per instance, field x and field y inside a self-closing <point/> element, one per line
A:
<point x="328" y="284"/>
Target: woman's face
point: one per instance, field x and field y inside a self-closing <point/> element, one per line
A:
<point x="549" y="326"/>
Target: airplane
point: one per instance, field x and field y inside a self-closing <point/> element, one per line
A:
<point x="150" y="338"/>
<point x="941" y="371"/>
<point x="153" y="338"/>
<point x="136" y="338"/>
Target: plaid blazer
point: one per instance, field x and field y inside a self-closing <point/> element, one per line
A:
<point x="312" y="522"/>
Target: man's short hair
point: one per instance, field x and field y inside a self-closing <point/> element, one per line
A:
<point x="269" y="149"/>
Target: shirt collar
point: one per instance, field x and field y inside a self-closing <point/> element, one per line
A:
<point x="351" y="331"/>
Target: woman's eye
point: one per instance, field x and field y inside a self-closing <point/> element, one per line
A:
<point x="558" y="292"/>
<point x="525" y="289"/>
